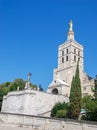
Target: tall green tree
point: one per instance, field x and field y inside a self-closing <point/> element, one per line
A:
<point x="75" y="95"/>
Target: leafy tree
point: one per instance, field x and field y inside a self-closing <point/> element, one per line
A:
<point x="17" y="83"/>
<point x="21" y="84"/>
<point x="33" y="86"/>
<point x="60" y="110"/>
<point x="62" y="113"/>
<point x="40" y="88"/>
<point x="4" y="89"/>
<point x="90" y="107"/>
<point x="75" y="96"/>
<point x="12" y="86"/>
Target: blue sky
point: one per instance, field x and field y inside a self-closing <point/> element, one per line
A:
<point x="31" y="30"/>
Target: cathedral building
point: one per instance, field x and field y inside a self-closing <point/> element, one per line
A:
<point x="34" y="102"/>
<point x="69" y="53"/>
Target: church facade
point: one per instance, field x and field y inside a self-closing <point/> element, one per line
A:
<point x="34" y="102"/>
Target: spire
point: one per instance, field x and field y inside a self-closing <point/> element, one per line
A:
<point x="70" y="35"/>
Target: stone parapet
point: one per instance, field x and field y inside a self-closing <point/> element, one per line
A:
<point x="46" y="123"/>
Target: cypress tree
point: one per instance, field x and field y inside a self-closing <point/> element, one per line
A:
<point x="75" y="95"/>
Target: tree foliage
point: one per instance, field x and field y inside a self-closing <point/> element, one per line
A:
<point x="33" y="86"/>
<point x="12" y="86"/>
<point x="17" y="83"/>
<point x="40" y="88"/>
<point x="62" y="113"/>
<point x="4" y="89"/>
<point x="60" y="110"/>
<point x="75" y="96"/>
<point x="90" y="107"/>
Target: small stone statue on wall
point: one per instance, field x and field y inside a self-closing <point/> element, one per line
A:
<point x="27" y="86"/>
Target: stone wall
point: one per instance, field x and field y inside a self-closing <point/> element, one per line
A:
<point x="31" y="102"/>
<point x="45" y="123"/>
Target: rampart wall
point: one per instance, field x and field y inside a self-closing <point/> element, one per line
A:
<point x="46" y="123"/>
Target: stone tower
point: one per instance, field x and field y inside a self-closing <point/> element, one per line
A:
<point x="69" y="53"/>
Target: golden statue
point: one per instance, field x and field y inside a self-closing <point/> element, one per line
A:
<point x="70" y="25"/>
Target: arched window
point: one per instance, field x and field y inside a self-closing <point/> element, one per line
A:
<point x="78" y="53"/>
<point x="74" y="58"/>
<point x="74" y="51"/>
<point x="67" y="51"/>
<point x="78" y="59"/>
<point x="62" y="53"/>
<point x="55" y="91"/>
<point x="62" y="59"/>
<point x="66" y="58"/>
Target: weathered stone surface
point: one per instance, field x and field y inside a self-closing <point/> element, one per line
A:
<point x="25" y="122"/>
<point x="31" y="102"/>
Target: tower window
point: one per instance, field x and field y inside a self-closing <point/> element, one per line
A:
<point x="67" y="51"/>
<point x="74" y="51"/>
<point x="78" y="53"/>
<point x="78" y="59"/>
<point x="66" y="58"/>
<point x="62" y="53"/>
<point x="74" y="58"/>
<point x="62" y="59"/>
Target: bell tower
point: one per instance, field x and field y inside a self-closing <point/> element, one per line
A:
<point x="69" y="53"/>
